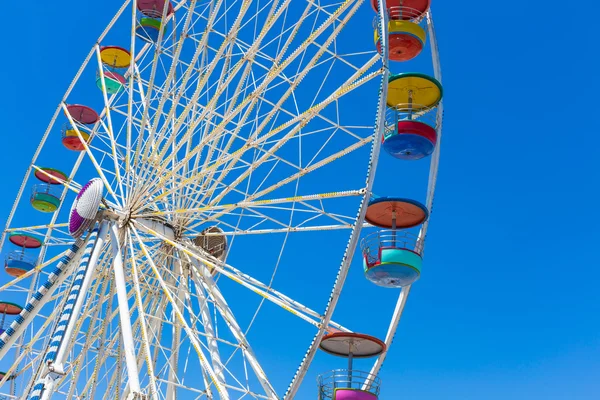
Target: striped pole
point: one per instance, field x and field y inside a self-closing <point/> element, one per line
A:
<point x="43" y="388"/>
<point x="83" y="277"/>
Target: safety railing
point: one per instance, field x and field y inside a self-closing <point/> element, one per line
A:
<point x="409" y="112"/>
<point x="20" y="255"/>
<point x="68" y="127"/>
<point x="44" y="188"/>
<point x="346" y="379"/>
<point x="391" y="239"/>
<point x="405" y="13"/>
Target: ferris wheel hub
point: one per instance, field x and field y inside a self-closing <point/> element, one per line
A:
<point x="150" y="225"/>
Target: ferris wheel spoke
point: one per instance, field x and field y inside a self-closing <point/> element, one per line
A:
<point x="274" y="296"/>
<point x="203" y="361"/>
<point x="152" y="78"/>
<point x="130" y="91"/>
<point x="205" y="328"/>
<point x="210" y="332"/>
<point x="157" y="326"/>
<point x="90" y="154"/>
<point x="113" y="147"/>
<point x="38" y="228"/>
<point x="139" y="156"/>
<point x="72" y="186"/>
<point x="254" y="285"/>
<point x="204" y="281"/>
<point x="277" y="146"/>
<point x="225" y="45"/>
<point x="287" y="230"/>
<point x="226" y="76"/>
<point x="255" y="222"/>
<point x="299" y="120"/>
<point x="299" y="77"/>
<point x="251" y="100"/>
<point x="109" y="129"/>
<point x="257" y="203"/>
<point x="289" y="179"/>
<point x="154" y="328"/>
<point x="175" y="345"/>
<point x="204" y="322"/>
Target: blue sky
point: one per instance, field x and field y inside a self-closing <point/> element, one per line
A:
<point x="507" y="305"/>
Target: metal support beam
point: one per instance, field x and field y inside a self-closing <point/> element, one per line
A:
<point x="124" y="315"/>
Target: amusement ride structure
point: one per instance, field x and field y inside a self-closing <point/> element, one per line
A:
<point x="218" y="137"/>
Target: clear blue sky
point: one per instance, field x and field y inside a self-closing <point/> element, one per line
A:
<point x="508" y="305"/>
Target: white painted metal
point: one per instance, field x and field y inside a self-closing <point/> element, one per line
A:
<point x="61" y="354"/>
<point x="203" y="361"/>
<point x="203" y="278"/>
<point x="124" y="314"/>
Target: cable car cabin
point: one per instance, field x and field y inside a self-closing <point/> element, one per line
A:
<point x="213" y="241"/>
<point x="18" y="263"/>
<point x="394" y="268"/>
<point x="348" y="385"/>
<point x="409" y="140"/>
<point x="148" y="29"/>
<point x="113" y="80"/>
<point x="406" y="40"/>
<point x="154" y="8"/>
<point x="353" y="394"/>
<point x="404" y="9"/>
<point x="45" y="198"/>
<point x="71" y="140"/>
<point x="392" y="256"/>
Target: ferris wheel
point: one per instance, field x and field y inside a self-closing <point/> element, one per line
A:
<point x="204" y="154"/>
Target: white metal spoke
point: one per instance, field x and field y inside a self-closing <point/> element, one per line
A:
<point x="196" y="343"/>
<point x="248" y="282"/>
